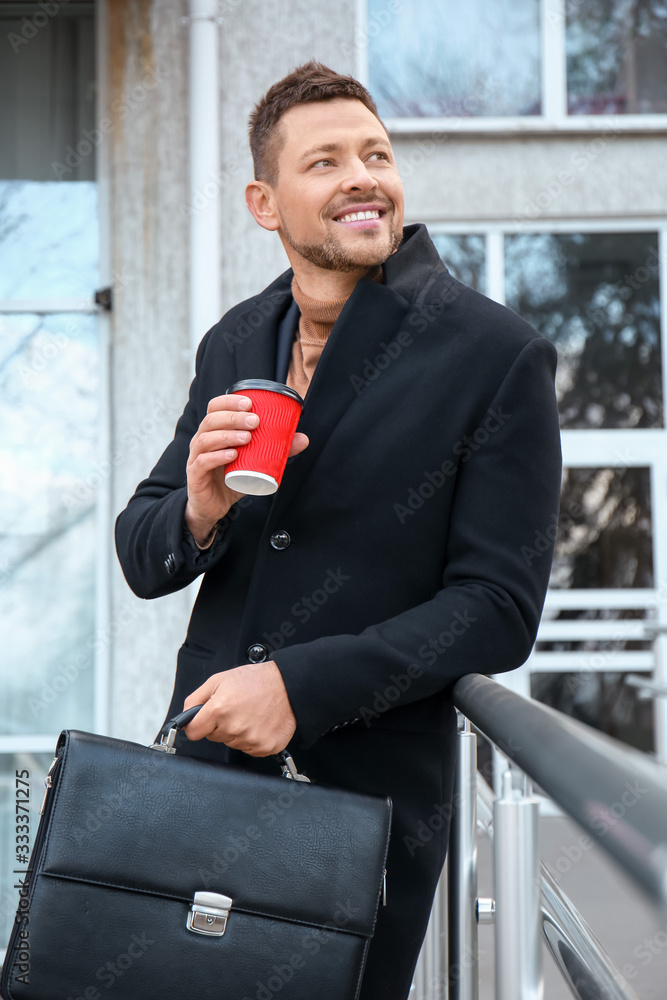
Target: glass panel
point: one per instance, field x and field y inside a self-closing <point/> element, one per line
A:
<point x="48" y="451"/>
<point x="12" y="843"/>
<point x="600" y="699"/>
<point x="465" y="257"/>
<point x="47" y="92"/>
<point x="49" y="239"/>
<point x="616" y="60"/>
<point x="597" y="296"/>
<point x="462" y="59"/>
<point x="605" y="531"/>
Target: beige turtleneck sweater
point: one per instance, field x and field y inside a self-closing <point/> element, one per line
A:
<point x="315" y="325"/>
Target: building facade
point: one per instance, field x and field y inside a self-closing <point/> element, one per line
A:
<point x="532" y="140"/>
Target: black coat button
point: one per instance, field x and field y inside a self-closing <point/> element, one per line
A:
<point x="257" y="653"/>
<point x="170" y="563"/>
<point x="280" y="540"/>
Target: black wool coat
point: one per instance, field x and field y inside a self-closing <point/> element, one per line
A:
<point x="419" y="522"/>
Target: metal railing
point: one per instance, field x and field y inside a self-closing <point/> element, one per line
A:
<point x="618" y="795"/>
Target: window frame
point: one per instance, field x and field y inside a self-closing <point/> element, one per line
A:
<point x="598" y="448"/>
<point x="554" y="117"/>
<point x="41" y="742"/>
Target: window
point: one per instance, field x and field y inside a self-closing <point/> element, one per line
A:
<point x="598" y="292"/>
<point x="50" y="406"/>
<point x="515" y="65"/>
<point x="597" y="296"/>
<point x="616" y="57"/>
<point x="478" y="58"/>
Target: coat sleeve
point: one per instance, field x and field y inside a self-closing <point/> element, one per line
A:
<point x="156" y="551"/>
<point x="485" y="616"/>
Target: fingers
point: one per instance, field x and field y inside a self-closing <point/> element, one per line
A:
<point x="242" y="708"/>
<point x="223" y="426"/>
<point x="232" y="401"/>
<point x="226" y="427"/>
<point x="299" y="444"/>
<point x="200" y="725"/>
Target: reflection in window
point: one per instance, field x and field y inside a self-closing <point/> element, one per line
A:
<point x="600" y="699"/>
<point x="49" y="239"/>
<point x="616" y="61"/>
<point x="48" y="450"/>
<point x="453" y="59"/>
<point x="12" y="858"/>
<point x="597" y="296"/>
<point x="604" y="529"/>
<point x="464" y="256"/>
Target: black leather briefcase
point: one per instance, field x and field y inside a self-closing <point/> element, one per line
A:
<point x="157" y="875"/>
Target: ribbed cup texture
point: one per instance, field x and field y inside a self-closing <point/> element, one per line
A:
<point x="270" y="444"/>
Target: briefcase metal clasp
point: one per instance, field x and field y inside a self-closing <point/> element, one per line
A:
<point x="208" y="913"/>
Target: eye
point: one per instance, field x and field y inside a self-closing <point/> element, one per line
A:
<point x="326" y="163"/>
<point x="378" y="153"/>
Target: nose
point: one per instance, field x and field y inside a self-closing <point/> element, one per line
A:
<point x="358" y="178"/>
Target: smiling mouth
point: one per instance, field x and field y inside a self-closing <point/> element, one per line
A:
<point x="361" y="218"/>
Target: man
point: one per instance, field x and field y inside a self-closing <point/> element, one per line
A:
<point x="399" y="552"/>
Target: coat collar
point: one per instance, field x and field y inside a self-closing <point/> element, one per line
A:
<point x="371" y="317"/>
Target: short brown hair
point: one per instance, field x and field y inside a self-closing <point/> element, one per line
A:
<point x="306" y="84"/>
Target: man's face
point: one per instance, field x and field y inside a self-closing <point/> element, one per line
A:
<point x="338" y="192"/>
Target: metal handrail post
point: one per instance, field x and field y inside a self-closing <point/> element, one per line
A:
<point x="462" y="873"/>
<point x="516" y="871"/>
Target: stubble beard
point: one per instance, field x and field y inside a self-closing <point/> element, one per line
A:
<point x="333" y="255"/>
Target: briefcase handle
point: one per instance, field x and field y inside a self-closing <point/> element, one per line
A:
<point x="167" y="738"/>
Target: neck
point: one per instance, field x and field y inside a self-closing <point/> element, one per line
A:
<point x="324" y="285"/>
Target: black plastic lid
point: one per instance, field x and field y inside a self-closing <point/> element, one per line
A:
<point x="266" y="384"/>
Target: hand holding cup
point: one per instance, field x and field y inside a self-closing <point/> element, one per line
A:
<point x="227" y="427"/>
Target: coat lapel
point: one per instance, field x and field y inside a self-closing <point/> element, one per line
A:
<point x="254" y="333"/>
<point x="373" y="314"/>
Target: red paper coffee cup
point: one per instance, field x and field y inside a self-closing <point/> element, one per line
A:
<point x="258" y="468"/>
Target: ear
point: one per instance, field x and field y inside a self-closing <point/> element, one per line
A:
<point x="261" y="203"/>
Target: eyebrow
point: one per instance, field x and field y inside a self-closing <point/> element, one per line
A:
<point x="336" y="147"/>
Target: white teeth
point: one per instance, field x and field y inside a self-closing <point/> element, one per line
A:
<point x="360" y="216"/>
